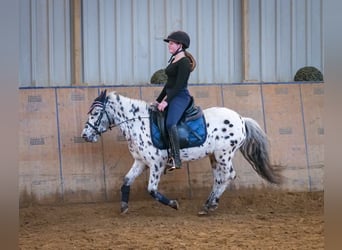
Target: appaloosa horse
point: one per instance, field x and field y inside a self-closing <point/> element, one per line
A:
<point x="226" y="132"/>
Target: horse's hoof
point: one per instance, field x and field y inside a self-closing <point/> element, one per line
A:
<point x="203" y="212"/>
<point x="174" y="204"/>
<point x="124" y="208"/>
<point x="213" y="207"/>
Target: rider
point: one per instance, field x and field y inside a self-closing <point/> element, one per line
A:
<point x="175" y="94"/>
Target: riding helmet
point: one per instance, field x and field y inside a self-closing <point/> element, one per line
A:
<point x="179" y="37"/>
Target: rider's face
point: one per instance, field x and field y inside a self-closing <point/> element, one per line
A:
<point x="173" y="47"/>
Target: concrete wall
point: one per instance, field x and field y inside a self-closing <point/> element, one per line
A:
<point x="56" y="165"/>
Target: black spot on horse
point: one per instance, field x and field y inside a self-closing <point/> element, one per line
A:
<point x="226" y="122"/>
<point x="134" y="110"/>
<point x="218" y="182"/>
<point x="224" y="130"/>
<point x="231" y="134"/>
<point x="217" y="137"/>
<point x="156" y="167"/>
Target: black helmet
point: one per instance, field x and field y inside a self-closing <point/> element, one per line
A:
<point x="179" y="37"/>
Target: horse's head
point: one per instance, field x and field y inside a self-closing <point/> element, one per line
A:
<point x="98" y="121"/>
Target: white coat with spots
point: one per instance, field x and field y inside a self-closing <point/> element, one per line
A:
<point x="227" y="132"/>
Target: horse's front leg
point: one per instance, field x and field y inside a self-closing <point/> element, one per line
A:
<point x="136" y="169"/>
<point x="155" y="173"/>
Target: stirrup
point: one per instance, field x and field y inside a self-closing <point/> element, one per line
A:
<point x="171" y="164"/>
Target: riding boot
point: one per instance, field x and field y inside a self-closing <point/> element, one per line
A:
<point x="174" y="143"/>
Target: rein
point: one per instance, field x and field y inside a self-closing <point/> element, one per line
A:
<point x="128" y="120"/>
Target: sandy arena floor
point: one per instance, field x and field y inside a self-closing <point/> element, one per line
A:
<point x="244" y="220"/>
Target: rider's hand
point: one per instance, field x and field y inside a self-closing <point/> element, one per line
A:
<point x="162" y="106"/>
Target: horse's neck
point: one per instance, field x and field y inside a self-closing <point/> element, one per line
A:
<point x="126" y="108"/>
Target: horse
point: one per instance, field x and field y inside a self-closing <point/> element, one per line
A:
<point x="227" y="131"/>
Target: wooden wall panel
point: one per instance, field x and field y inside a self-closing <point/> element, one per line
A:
<point x="149" y="94"/>
<point x="245" y="100"/>
<point x="206" y="96"/>
<point x="313" y="105"/>
<point x="82" y="163"/>
<point x="284" y="126"/>
<point x="39" y="165"/>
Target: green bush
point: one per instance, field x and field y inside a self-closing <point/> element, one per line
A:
<point x="159" y="77"/>
<point x="308" y="73"/>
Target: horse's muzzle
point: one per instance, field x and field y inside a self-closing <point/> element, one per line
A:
<point x="91" y="138"/>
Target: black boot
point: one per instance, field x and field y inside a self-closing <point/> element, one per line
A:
<point x="174" y="143"/>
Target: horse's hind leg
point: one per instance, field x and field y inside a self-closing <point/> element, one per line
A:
<point x="223" y="172"/>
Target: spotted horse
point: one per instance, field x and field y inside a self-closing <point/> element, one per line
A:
<point x="227" y="132"/>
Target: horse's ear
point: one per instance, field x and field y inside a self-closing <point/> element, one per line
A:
<point x="104" y="93"/>
<point x="102" y="96"/>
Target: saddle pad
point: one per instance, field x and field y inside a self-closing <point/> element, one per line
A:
<point x="191" y="133"/>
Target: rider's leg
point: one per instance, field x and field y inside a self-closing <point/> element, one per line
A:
<point x="174" y="144"/>
<point x="176" y="108"/>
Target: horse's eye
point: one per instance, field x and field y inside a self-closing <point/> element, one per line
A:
<point x="96" y="113"/>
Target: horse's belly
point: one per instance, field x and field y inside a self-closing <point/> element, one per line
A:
<point x="195" y="153"/>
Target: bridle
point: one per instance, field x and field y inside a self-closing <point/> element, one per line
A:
<point x="103" y="111"/>
<point x="99" y="119"/>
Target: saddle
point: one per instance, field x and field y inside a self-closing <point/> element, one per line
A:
<point x="191" y="128"/>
